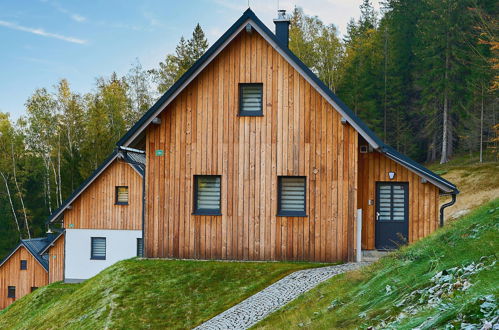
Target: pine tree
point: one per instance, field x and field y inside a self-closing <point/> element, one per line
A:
<point x="175" y="65"/>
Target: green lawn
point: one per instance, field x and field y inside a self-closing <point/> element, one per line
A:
<point x="145" y="294"/>
<point x="385" y="295"/>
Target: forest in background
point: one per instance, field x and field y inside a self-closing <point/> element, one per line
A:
<point x="422" y="74"/>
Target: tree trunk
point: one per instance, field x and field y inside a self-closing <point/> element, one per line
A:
<point x="481" y="130"/>
<point x="445" y="119"/>
<point x="385" y="53"/>
<point x="47" y="178"/>
<point x="11" y="204"/>
<point x="19" y="190"/>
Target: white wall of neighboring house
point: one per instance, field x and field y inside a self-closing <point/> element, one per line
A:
<point x="120" y="244"/>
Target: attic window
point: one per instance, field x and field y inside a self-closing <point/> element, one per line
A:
<point x="250" y="99"/>
<point x="122" y="195"/>
<point x="24" y="264"/>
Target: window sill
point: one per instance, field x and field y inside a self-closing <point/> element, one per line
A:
<point x="97" y="258"/>
<point x="250" y="115"/>
<point x="292" y="214"/>
<point x="215" y="213"/>
<point x="120" y="203"/>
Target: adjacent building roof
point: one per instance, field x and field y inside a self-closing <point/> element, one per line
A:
<point x="37" y="247"/>
<point x="135" y="160"/>
<point x="250" y="18"/>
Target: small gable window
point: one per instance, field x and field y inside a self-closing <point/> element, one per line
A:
<point x="292" y="196"/>
<point x="24" y="264"/>
<point x="11" y="292"/>
<point x="250" y="99"/>
<point x="207" y="194"/>
<point x="122" y="195"/>
<point x="98" y="248"/>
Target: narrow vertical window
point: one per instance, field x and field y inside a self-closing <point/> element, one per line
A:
<point x="98" y="248"/>
<point x="207" y="194"/>
<point x="122" y="195"/>
<point x="292" y="196"/>
<point x="140" y="248"/>
<point x="11" y="292"/>
<point x="250" y="99"/>
<point x="24" y="264"/>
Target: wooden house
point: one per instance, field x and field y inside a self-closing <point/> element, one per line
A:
<point x="251" y="157"/>
<point x="102" y="220"/>
<point x="24" y="270"/>
<point x="102" y="224"/>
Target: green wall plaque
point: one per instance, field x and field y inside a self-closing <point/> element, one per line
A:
<point x="160" y="152"/>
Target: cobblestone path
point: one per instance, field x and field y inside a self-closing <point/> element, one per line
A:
<point x="257" y="307"/>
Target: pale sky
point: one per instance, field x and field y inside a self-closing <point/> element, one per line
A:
<point x="42" y="41"/>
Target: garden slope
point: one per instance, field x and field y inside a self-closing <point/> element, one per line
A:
<point x="450" y="277"/>
<point x="145" y="294"/>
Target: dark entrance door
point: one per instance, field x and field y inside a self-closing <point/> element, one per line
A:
<point x="392" y="219"/>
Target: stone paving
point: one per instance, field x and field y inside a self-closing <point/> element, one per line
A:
<point x="260" y="305"/>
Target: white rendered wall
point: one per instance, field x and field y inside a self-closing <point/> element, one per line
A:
<point x="120" y="244"/>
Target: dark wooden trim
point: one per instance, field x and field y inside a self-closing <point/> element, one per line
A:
<point x="241" y="112"/>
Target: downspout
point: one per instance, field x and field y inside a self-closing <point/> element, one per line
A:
<point x="452" y="202"/>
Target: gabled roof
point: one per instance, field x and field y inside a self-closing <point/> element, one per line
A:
<point x="249" y="17"/>
<point x="35" y="247"/>
<point x="49" y="245"/>
<point x="136" y="161"/>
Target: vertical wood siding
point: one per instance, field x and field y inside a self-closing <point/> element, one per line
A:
<point x="423" y="197"/>
<point x="23" y="280"/>
<point x="300" y="134"/>
<point x="56" y="260"/>
<point x="95" y="208"/>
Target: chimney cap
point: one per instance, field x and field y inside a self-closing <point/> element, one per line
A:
<point x="281" y="16"/>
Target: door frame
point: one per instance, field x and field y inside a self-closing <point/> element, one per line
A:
<point x="376" y="207"/>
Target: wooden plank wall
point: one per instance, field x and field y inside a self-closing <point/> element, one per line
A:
<point x="23" y="280"/>
<point x="56" y="260"/>
<point x="299" y="134"/>
<point x="423" y="197"/>
<point x="95" y="208"/>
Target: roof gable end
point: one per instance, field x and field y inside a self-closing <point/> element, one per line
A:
<point x="249" y="17"/>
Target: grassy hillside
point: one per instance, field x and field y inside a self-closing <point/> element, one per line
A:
<point x="145" y="294"/>
<point x="477" y="182"/>
<point x="450" y="277"/>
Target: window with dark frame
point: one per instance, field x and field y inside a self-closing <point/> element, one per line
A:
<point x="207" y="194"/>
<point x="122" y="195"/>
<point x="251" y="99"/>
<point x="11" y="292"/>
<point x="33" y="288"/>
<point x="140" y="248"/>
<point x="292" y="196"/>
<point x="24" y="264"/>
<point x="98" y="248"/>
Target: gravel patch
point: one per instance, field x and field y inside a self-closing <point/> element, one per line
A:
<point x="260" y="305"/>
